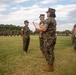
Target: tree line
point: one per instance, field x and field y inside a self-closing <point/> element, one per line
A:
<point x="59" y="33"/>
<point x="64" y="33"/>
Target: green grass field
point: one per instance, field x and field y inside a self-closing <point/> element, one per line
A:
<point x="14" y="61"/>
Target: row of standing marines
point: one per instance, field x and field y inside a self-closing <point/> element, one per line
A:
<point x="9" y="33"/>
<point x="47" y="37"/>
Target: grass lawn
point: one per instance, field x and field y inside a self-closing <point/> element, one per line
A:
<point x="14" y="61"/>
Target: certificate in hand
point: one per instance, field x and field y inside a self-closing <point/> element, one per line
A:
<point x="36" y="25"/>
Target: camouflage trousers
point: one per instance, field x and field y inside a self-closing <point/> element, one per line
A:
<point x="26" y="42"/>
<point x="41" y="44"/>
<point x="73" y="39"/>
<point x="74" y="42"/>
<point x="49" y="44"/>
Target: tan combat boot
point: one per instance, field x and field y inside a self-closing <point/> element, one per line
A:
<point x="49" y="68"/>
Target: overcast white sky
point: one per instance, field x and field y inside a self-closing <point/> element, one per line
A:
<point x="16" y="11"/>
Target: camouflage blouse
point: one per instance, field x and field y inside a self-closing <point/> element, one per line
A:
<point x="26" y="31"/>
<point x="50" y="25"/>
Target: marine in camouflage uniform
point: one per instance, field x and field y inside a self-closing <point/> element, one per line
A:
<point x="11" y="33"/>
<point x="25" y="32"/>
<point x="74" y="37"/>
<point x="49" y="36"/>
<point x="42" y="22"/>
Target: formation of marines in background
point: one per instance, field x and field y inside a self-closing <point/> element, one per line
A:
<point x="9" y="33"/>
